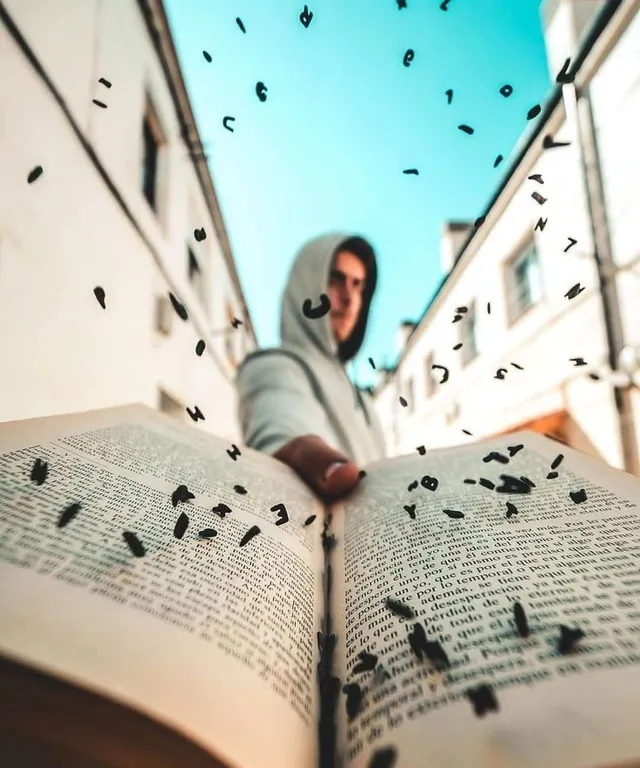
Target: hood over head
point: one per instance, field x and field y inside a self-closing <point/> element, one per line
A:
<point x="308" y="278"/>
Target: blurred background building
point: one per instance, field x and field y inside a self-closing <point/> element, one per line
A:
<point x="124" y="187"/>
<point x="509" y="276"/>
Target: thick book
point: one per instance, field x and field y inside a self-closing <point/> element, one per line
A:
<point x="169" y="599"/>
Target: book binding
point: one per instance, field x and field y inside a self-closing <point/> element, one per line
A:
<point x="328" y="683"/>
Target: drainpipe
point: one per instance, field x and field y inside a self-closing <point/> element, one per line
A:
<point x="579" y="111"/>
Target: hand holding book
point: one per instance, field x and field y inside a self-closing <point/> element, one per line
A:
<point x="326" y="471"/>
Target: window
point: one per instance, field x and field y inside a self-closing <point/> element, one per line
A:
<point x="149" y="164"/>
<point x="523" y="282"/>
<point x="194" y="268"/>
<point x="170" y="406"/>
<point x="152" y="140"/>
<point x="429" y="381"/>
<point x="469" y="335"/>
<point x="196" y="277"/>
<point x="164" y="315"/>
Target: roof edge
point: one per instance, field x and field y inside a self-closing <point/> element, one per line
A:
<point x="597" y="28"/>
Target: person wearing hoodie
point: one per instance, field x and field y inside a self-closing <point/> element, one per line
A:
<point x="296" y="401"/>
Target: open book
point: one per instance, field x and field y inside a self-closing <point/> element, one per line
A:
<point x="168" y="599"/>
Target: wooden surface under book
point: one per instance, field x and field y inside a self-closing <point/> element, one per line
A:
<point x="46" y="722"/>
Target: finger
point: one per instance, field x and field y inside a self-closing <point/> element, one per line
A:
<point x="327" y="471"/>
<point x="340" y="479"/>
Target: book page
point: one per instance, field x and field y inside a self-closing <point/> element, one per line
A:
<point x="571" y="561"/>
<point x="212" y="638"/>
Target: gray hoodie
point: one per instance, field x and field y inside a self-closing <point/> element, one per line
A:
<point x="302" y="387"/>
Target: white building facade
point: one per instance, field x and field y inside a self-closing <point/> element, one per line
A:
<point x="510" y="276"/>
<point x="121" y="195"/>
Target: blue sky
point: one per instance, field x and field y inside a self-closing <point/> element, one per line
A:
<point x="343" y="118"/>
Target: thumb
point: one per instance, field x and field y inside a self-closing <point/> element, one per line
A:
<point x="327" y="471"/>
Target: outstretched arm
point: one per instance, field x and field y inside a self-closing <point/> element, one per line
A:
<point x="280" y="415"/>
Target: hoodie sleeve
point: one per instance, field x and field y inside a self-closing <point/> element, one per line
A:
<point x="376" y="426"/>
<point x="276" y="403"/>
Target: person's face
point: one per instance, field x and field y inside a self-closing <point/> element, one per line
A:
<point x="346" y="286"/>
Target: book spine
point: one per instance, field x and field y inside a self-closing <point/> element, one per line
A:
<point x="328" y="684"/>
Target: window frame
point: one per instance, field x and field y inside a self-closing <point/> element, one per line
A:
<point x="199" y="285"/>
<point x="515" y="311"/>
<point x="152" y="124"/>
<point x="465" y="360"/>
<point x="192" y="257"/>
<point x="430" y="382"/>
